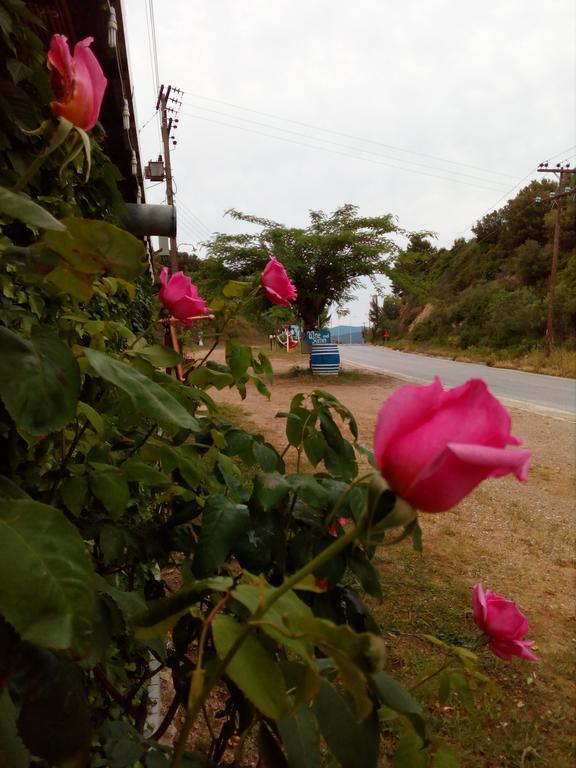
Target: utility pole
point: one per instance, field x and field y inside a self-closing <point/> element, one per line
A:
<point x="564" y="190"/>
<point x="166" y="126"/>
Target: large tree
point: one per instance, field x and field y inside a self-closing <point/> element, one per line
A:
<point x="326" y="261"/>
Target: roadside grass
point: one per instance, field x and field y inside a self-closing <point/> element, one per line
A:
<point x="561" y="362"/>
<point x="522" y="721"/>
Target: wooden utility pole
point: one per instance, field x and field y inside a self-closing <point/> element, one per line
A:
<point x="557" y="198"/>
<point x="165" y="126"/>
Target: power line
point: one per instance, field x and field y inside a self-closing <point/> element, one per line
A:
<point x="344" y="154"/>
<point x="344" y="146"/>
<point x="153" y="58"/>
<point x="196" y="218"/>
<point x="190" y="224"/>
<point x="528" y="175"/>
<point x="349" y="136"/>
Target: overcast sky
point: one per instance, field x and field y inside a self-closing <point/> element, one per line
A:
<point x="432" y="110"/>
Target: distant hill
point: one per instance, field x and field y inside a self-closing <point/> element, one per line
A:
<point x="347" y="334"/>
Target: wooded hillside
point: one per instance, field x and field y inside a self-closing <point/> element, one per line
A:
<point x="490" y="291"/>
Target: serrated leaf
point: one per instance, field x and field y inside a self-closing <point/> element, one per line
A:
<point x="42" y="398"/>
<point x="253" y="668"/>
<point x="19" y="206"/>
<point x="46" y="581"/>
<point x="222" y="524"/>
<point x="146" y="395"/>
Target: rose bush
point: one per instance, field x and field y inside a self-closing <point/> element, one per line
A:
<point x="180" y="296"/>
<point x="504" y="623"/>
<point x="434" y="446"/>
<point x="276" y="283"/>
<point x="78" y="82"/>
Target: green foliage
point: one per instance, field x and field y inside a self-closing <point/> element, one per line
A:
<point x="325" y="261"/>
<point x="491" y="291"/>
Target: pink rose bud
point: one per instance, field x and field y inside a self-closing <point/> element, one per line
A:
<point x="78" y="82"/>
<point x="180" y="296"/>
<point x="504" y="623"/>
<point x="276" y="283"/>
<point x="434" y="446"/>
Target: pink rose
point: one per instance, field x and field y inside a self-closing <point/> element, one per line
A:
<point x="433" y="447"/>
<point x="78" y="82"/>
<point x="180" y="296"/>
<point x="504" y="623"/>
<point x="278" y="286"/>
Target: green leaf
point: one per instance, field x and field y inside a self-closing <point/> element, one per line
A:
<point x="365" y="572"/>
<point x="159" y="356"/>
<point x="152" y="622"/>
<point x="19" y="206"/>
<point x="266" y="366"/>
<point x="204" y="377"/>
<point x="269" y="490"/>
<point x="410" y="752"/>
<point x="9" y="489"/>
<point x="269" y="749"/>
<point x="110" y="486"/>
<point x="267" y="456"/>
<point x="137" y="471"/>
<point x="91" y="415"/>
<point x="295" y="426"/>
<point x="223" y="522"/>
<point x="314" y="448"/>
<point x="235" y="289"/>
<point x="238" y="357"/>
<point x="252" y="668"/>
<point x="71" y="282"/>
<point x="301" y="738"/>
<point x="97" y="246"/>
<point x="13" y="753"/>
<point x="73" y="492"/>
<point x="39" y="381"/>
<point x="287" y="610"/>
<point x="57" y="697"/>
<point x="354" y="745"/>
<point x="309" y="490"/>
<point x="147" y="397"/>
<point x="46" y="581"/>
<point x="395" y="696"/>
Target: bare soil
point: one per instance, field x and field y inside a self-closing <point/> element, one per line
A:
<point x="518" y="540"/>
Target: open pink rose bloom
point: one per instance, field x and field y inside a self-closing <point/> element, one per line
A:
<point x="180" y="296"/>
<point x="276" y="283"/>
<point x="78" y="81"/>
<point x="434" y="446"/>
<point x="504" y="623"/>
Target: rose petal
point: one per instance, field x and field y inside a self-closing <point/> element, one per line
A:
<point x="457" y="471"/>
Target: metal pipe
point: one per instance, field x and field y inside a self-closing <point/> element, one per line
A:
<point x="142" y="220"/>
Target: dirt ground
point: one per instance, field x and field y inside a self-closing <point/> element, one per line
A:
<point x="518" y="540"/>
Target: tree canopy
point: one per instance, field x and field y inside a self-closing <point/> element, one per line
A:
<point x="326" y="260"/>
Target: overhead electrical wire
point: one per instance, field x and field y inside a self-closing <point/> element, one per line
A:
<point x="153" y="57"/>
<point x="345" y="154"/>
<point x="346" y="146"/>
<point x="513" y="189"/>
<point x="345" y="135"/>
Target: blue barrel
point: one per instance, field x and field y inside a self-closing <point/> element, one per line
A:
<point x="325" y="359"/>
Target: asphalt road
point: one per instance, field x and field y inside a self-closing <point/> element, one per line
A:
<point x="519" y="387"/>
